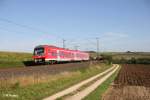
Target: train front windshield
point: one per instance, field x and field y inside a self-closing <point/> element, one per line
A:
<point x="39" y="51"/>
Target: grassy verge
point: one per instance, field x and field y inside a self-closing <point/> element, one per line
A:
<point x="97" y="94"/>
<point x="82" y="87"/>
<point x="52" y="84"/>
<point x="11" y="64"/>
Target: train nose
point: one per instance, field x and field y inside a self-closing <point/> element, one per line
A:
<point x="39" y="60"/>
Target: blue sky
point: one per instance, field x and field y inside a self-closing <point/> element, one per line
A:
<point x="121" y="25"/>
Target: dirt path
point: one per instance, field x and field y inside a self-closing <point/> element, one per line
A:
<point x="86" y="91"/>
<point x="80" y="95"/>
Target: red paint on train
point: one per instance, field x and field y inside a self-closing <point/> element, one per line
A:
<point x="50" y="54"/>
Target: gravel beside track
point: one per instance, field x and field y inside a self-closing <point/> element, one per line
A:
<point x="43" y="69"/>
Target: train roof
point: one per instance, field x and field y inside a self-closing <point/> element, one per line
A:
<point x="52" y="46"/>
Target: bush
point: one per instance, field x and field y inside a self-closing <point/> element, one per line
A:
<point x="132" y="61"/>
<point x="107" y="58"/>
<point x="15" y="85"/>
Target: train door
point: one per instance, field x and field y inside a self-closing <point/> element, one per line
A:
<point x="58" y="55"/>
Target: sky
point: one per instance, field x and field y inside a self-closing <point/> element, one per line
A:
<point x="120" y="25"/>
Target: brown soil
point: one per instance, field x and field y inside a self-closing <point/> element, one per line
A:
<point x="127" y="93"/>
<point x="132" y="83"/>
<point x="134" y="75"/>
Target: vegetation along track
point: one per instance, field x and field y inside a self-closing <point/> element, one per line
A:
<point x="45" y="69"/>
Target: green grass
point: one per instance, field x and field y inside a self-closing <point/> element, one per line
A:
<point x="131" y="55"/>
<point x="125" y="55"/>
<point x="13" y="59"/>
<point x="41" y="90"/>
<point x="97" y="93"/>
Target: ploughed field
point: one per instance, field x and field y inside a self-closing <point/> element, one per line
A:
<point x="134" y="75"/>
<point x="132" y="83"/>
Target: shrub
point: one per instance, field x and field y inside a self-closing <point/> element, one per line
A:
<point x="107" y="58"/>
<point x="132" y="61"/>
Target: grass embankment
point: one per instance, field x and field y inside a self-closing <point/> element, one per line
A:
<point x="14" y="59"/>
<point x="51" y="85"/>
<point x="97" y="94"/>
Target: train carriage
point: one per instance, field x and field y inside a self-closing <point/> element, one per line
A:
<point x="51" y="54"/>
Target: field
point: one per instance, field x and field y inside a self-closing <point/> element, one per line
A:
<point x="132" y="83"/>
<point x="136" y="75"/>
<point x="14" y="59"/>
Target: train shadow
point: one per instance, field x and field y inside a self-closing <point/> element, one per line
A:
<point x="32" y="63"/>
<point x="29" y="63"/>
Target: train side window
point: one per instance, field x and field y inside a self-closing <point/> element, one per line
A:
<point x="54" y="54"/>
<point x="66" y="54"/>
<point x="61" y="53"/>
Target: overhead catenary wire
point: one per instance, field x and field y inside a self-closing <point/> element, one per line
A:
<point x="76" y="43"/>
<point x="27" y="27"/>
<point x="22" y="25"/>
<point x="4" y="29"/>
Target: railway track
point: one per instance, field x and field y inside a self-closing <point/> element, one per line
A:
<point x="43" y="69"/>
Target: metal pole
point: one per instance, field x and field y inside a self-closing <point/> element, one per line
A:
<point x="64" y="43"/>
<point x="97" y="46"/>
<point x="76" y="47"/>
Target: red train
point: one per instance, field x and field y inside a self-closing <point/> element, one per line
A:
<point x="51" y="54"/>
